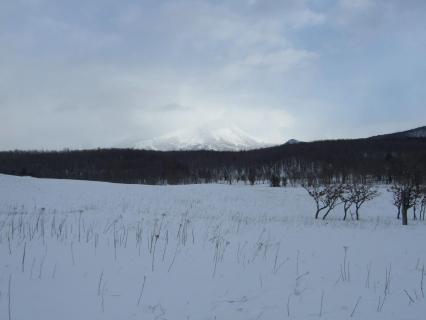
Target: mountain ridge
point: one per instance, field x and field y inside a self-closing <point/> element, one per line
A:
<point x="229" y="139"/>
<point x="201" y="138"/>
<point x="419" y="132"/>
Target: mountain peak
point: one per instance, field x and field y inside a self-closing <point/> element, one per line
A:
<point x="292" y="141"/>
<point x="202" y="138"/>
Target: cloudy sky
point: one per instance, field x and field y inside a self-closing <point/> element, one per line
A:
<point x="89" y="73"/>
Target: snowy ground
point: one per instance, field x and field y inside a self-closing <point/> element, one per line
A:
<point x="87" y="250"/>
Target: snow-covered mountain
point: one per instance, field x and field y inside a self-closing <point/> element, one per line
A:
<point x="292" y="141"/>
<point x="201" y="138"/>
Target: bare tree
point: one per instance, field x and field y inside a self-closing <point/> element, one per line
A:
<point x="252" y="176"/>
<point x="326" y="196"/>
<point x="423" y="204"/>
<point x="396" y="195"/>
<point x="419" y="201"/>
<point x="356" y="194"/>
<point x="362" y="193"/>
<point x="404" y="195"/>
<point x="347" y="199"/>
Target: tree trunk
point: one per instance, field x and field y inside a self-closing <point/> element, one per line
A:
<point x="317" y="213"/>
<point x="346" y="208"/>
<point x="404" y="209"/>
<point x="326" y="214"/>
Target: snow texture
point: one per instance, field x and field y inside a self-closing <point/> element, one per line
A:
<point x="90" y="250"/>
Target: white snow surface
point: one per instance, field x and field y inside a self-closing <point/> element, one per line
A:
<point x="90" y="250"/>
<point x="201" y="138"/>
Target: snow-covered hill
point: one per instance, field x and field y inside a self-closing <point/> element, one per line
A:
<point x="201" y="138"/>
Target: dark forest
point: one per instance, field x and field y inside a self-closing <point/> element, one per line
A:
<point x="379" y="160"/>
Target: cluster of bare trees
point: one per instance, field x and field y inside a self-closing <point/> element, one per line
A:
<point x="352" y="196"/>
<point x="408" y="195"/>
<point x="355" y="195"/>
<point x="328" y="196"/>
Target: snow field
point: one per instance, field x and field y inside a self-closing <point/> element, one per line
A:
<point x="88" y="250"/>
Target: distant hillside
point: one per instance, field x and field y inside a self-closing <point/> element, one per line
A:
<point x="413" y="133"/>
<point x="382" y="160"/>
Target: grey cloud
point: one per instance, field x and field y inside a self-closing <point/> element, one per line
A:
<point x="174" y="107"/>
<point x="91" y="73"/>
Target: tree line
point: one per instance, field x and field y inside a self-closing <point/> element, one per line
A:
<point x="378" y="160"/>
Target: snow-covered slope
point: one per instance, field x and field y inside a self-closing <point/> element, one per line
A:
<point x="201" y="138"/>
